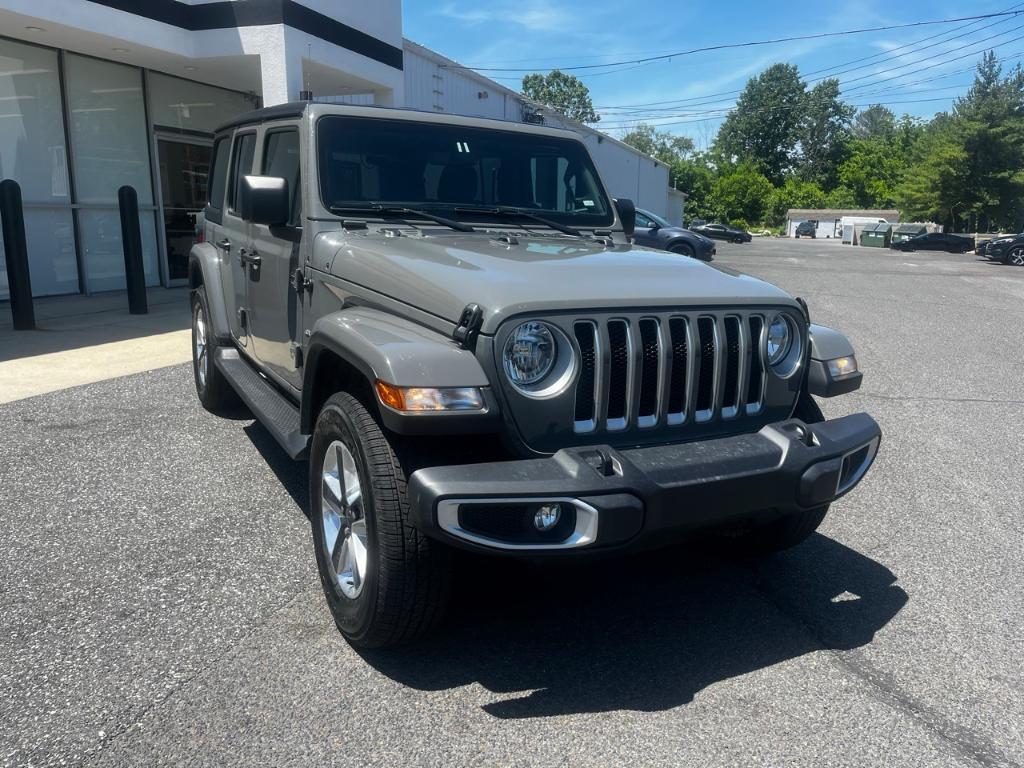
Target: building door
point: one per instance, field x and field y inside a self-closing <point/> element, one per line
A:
<point x="184" y="170"/>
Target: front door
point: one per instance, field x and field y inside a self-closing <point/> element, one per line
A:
<point x="184" y="170"/>
<point x="274" y="303"/>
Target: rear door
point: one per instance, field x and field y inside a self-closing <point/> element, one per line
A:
<point x="236" y="235"/>
<point x="274" y="304"/>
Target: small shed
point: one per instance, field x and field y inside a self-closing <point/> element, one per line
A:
<point x="876" y="235"/>
<point x="905" y="232"/>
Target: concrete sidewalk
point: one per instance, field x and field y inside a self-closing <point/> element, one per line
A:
<point x="85" y="339"/>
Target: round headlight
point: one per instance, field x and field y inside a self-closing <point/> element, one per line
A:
<point x="780" y="337"/>
<point x="530" y="353"/>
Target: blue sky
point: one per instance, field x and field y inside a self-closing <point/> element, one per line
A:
<point x="919" y="71"/>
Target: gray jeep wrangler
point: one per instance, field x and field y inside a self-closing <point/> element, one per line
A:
<point x="446" y="317"/>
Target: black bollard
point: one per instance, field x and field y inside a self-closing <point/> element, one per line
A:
<point x="131" y="239"/>
<point x="16" y="252"/>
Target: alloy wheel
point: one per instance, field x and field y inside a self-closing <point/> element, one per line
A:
<point x="343" y="519"/>
<point x="1017" y="257"/>
<point x="199" y="343"/>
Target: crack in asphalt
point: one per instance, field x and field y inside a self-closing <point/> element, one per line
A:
<point x="962" y="742"/>
<point x="938" y="399"/>
<point x="158" y="702"/>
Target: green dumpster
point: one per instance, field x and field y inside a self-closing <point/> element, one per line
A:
<point x="876" y="235"/>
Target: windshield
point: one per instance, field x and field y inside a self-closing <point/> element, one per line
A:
<point x="401" y="163"/>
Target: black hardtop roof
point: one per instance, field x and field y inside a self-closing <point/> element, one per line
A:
<point x="278" y="112"/>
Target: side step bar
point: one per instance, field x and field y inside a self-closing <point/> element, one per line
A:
<point x="274" y="410"/>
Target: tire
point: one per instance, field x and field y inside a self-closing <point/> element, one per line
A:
<point x="215" y="392"/>
<point x="402" y="590"/>
<point x="683" y="249"/>
<point x="792" y="529"/>
<point x="1015" y="257"/>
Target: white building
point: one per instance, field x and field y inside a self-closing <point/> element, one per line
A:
<point x="95" y="94"/>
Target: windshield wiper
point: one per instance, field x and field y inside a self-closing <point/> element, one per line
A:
<point x="393" y="210"/>
<point x="503" y="210"/>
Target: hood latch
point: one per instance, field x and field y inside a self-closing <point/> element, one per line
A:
<point x="468" y="329"/>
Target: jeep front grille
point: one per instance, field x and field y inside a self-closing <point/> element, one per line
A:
<point x="667" y="370"/>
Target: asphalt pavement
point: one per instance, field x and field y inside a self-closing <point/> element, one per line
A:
<point x="160" y="603"/>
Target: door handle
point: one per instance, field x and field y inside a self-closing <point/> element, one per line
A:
<point x="224" y="245"/>
<point x="249" y="257"/>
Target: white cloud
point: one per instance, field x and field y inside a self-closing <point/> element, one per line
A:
<point x="533" y="15"/>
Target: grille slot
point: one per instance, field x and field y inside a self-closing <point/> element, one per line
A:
<point x="706" y="378"/>
<point x="669" y="369"/>
<point x="650" y="367"/>
<point x="731" y="392"/>
<point x="679" y="379"/>
<point x="618" y="373"/>
<point x="755" y="384"/>
<point x="586" y="387"/>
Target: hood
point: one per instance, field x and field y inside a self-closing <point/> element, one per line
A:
<point x="441" y="272"/>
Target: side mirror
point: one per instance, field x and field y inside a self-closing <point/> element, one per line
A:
<point x="264" y="200"/>
<point x="627" y="215"/>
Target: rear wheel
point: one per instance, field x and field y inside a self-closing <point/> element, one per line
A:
<point x="215" y="392"/>
<point x="683" y="249"/>
<point x="385" y="582"/>
<point x="792" y="529"/>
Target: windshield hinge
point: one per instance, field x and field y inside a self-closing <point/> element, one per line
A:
<point x="468" y="329"/>
<point x="300" y="282"/>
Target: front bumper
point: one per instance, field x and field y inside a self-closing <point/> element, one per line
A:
<point x="630" y="499"/>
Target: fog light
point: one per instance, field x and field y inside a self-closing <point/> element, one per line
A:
<point x="547" y="517"/>
<point x="842" y="366"/>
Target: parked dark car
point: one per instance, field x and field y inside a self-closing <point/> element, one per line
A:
<point x="937" y="241"/>
<point x="1009" y="250"/>
<point x="654" y="232"/>
<point x="723" y="232"/>
<point x="806" y="229"/>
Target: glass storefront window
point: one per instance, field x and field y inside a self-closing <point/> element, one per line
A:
<point x="110" y="148"/>
<point x="100" y="237"/>
<point x="32" y="152"/>
<point x="109" y="136"/>
<point x="186" y="105"/>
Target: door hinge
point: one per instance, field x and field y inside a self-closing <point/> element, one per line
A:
<point x="468" y="328"/>
<point x="243" y="318"/>
<point x="300" y="282"/>
<point x="296" y="353"/>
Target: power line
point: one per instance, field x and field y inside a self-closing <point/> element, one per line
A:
<point x="884" y="55"/>
<point x="621" y="111"/>
<point x="747" y="44"/>
<point x="724" y="110"/>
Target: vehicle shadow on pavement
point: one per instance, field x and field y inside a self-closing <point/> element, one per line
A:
<point x="643" y="633"/>
<point x="291" y="474"/>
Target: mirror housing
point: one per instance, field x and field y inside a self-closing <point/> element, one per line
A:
<point x="264" y="200"/>
<point x="627" y="215"/>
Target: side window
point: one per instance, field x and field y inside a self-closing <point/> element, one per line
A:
<point x="281" y="159"/>
<point x="219" y="173"/>
<point x="241" y="165"/>
<point x="641" y="220"/>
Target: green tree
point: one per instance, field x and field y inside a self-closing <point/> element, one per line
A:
<point x="765" y="126"/>
<point x="875" y="122"/>
<point x="935" y="183"/>
<point x="742" y="192"/>
<point x="695" y="176"/>
<point x="663" y="145"/>
<point x="564" y="93"/>
<point x="794" y="193"/>
<point x="824" y="133"/>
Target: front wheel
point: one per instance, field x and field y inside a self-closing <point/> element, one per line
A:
<point x="792" y="529"/>
<point x="1016" y="257"/>
<point x="682" y="249"/>
<point x="385" y="582"/>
